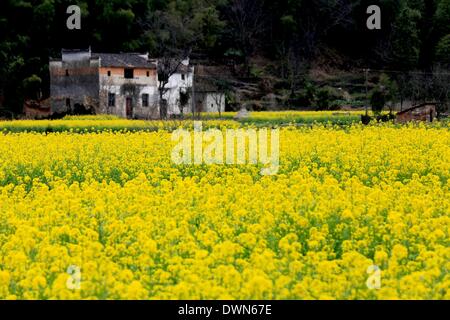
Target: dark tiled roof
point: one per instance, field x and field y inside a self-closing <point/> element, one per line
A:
<point x="75" y="50"/>
<point x="124" y="60"/>
<point x="181" y="68"/>
<point x="207" y="77"/>
<point x="184" y="69"/>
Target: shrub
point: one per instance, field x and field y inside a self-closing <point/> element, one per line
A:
<point x="365" y="119"/>
<point x="377" y="100"/>
<point x="323" y="99"/>
<point x="305" y="97"/>
<point x="32" y="86"/>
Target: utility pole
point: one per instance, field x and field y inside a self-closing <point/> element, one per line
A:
<point x="193" y="93"/>
<point x="366" y="74"/>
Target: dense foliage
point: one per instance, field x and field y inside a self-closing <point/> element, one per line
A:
<point x="414" y="34"/>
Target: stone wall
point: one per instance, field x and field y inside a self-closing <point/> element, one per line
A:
<point x="425" y="113"/>
<point x="74" y="83"/>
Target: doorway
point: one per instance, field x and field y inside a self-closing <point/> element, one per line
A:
<point x="129" y="107"/>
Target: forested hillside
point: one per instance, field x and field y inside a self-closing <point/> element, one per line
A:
<point x="292" y="35"/>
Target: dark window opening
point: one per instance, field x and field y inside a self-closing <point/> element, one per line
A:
<point x="68" y="102"/>
<point x="129" y="73"/>
<point x="67" y="72"/>
<point x="111" y="99"/>
<point x="109" y="73"/>
<point x="145" y="100"/>
<point x="163" y="76"/>
<point x="183" y="77"/>
<point x="148" y="73"/>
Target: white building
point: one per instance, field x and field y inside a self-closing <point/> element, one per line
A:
<point x="179" y="83"/>
<point x="208" y="95"/>
<point x="128" y="86"/>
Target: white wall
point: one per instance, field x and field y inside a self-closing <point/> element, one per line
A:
<point x="215" y="102"/>
<point x="113" y="84"/>
<point x="175" y="84"/>
<point x="71" y="57"/>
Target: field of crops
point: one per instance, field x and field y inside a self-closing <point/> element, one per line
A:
<point x="90" y="124"/>
<point x="82" y="124"/>
<point x="291" y="117"/>
<point x="134" y="225"/>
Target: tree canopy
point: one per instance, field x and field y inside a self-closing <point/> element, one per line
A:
<point x="414" y="33"/>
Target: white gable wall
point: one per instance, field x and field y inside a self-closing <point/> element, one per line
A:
<point x="174" y="86"/>
<point x="215" y="102"/>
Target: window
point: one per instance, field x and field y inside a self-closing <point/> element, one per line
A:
<point x="67" y="72"/>
<point x="145" y="100"/>
<point x="109" y="73"/>
<point x="148" y="74"/>
<point x="183" y="77"/>
<point x="68" y="102"/>
<point x="129" y="73"/>
<point x="111" y="99"/>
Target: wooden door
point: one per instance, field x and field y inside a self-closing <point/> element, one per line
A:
<point x="129" y="107"/>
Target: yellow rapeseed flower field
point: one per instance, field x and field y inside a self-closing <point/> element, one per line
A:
<point x="136" y="226"/>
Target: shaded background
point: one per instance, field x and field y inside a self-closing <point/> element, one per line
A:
<point x="286" y="38"/>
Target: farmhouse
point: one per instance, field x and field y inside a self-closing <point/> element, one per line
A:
<point x="124" y="84"/>
<point x="127" y="85"/>
<point x="178" y="90"/>
<point x="210" y="83"/>
<point x="423" y="112"/>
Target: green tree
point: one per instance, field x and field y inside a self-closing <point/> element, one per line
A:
<point x="443" y="50"/>
<point x="323" y="99"/>
<point x="390" y="90"/>
<point x="377" y="100"/>
<point x="32" y="87"/>
<point x="442" y="17"/>
<point x="405" y="38"/>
